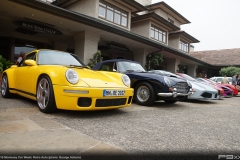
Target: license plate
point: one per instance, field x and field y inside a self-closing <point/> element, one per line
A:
<point x="113" y="92"/>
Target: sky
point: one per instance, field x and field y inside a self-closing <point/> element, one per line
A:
<point x="215" y="23"/>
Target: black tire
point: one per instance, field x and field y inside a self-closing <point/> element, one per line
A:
<point x="5" y="87"/>
<point x="170" y="101"/>
<point x="45" y="95"/>
<point x="145" y="100"/>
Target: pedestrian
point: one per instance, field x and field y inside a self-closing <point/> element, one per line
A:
<point x="238" y="83"/>
<point x="234" y="79"/>
<point x="21" y="56"/>
<point x="224" y="80"/>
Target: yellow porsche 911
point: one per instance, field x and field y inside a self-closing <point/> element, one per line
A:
<point x="60" y="80"/>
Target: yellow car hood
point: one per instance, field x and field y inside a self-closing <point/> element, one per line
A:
<point x="101" y="78"/>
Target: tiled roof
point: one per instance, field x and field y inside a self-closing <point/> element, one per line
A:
<point x="223" y="57"/>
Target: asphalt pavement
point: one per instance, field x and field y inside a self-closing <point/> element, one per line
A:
<point x="183" y="128"/>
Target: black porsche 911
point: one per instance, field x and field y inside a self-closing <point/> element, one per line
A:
<point x="148" y="87"/>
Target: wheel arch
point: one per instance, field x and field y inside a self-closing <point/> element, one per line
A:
<point x="152" y="83"/>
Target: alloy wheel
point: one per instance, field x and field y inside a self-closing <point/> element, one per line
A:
<point x="143" y="93"/>
<point x="43" y="93"/>
<point x="4" y="85"/>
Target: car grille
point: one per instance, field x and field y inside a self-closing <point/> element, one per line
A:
<point x="110" y="102"/>
<point x="207" y="95"/>
<point x="181" y="87"/>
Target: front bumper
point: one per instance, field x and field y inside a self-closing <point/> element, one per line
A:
<point x="82" y="98"/>
<point x="174" y="94"/>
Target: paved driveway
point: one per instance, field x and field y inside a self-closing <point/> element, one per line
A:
<point x="183" y="127"/>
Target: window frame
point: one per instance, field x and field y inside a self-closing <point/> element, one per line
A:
<point x="170" y="20"/>
<point x="115" y="10"/>
<point x="183" y="44"/>
<point x="159" y="32"/>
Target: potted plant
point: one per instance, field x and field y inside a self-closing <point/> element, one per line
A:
<point x="4" y="64"/>
<point x="153" y="60"/>
<point x="96" y="59"/>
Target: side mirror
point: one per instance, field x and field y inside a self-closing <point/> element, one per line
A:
<point x="30" y="62"/>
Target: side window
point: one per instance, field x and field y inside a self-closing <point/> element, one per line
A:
<point x="31" y="56"/>
<point x="107" y="67"/>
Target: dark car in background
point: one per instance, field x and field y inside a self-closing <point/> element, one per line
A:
<point x="148" y="87"/>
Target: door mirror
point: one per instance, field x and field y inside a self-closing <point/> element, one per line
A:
<point x="30" y="62"/>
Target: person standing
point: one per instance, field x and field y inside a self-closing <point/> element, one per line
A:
<point x="225" y="80"/>
<point x="22" y="54"/>
<point x="234" y="79"/>
<point x="238" y="83"/>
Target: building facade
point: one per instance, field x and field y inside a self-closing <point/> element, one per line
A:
<point x="129" y="29"/>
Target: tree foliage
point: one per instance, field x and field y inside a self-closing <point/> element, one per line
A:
<point x="96" y="59"/>
<point x="229" y="71"/>
<point x="153" y="60"/>
<point x="4" y="64"/>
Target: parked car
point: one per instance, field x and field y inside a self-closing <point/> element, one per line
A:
<point x="235" y="91"/>
<point x="60" y="80"/>
<point x="219" y="79"/>
<point x="202" y="91"/>
<point x="148" y="87"/>
<point x="224" y="91"/>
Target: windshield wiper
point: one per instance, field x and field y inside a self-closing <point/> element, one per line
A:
<point x="77" y="66"/>
<point x="129" y="70"/>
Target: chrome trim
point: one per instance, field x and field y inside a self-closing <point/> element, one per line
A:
<point x="76" y="91"/>
<point x="175" y="94"/>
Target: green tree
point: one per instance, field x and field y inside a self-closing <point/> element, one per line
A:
<point x="153" y="60"/>
<point x="96" y="59"/>
<point x="229" y="71"/>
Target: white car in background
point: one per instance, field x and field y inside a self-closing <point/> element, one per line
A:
<point x="219" y="79"/>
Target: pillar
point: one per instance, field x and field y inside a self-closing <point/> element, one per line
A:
<point x="86" y="44"/>
<point x="192" y="70"/>
<point x="172" y="64"/>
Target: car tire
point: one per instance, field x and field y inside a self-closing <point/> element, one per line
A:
<point x="144" y="94"/>
<point x="5" y="87"/>
<point x="45" y="95"/>
<point x="170" y="101"/>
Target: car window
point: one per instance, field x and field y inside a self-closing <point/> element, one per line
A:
<point x="219" y="79"/>
<point x="31" y="56"/>
<point x="130" y="66"/>
<point x="49" y="57"/>
<point x="107" y="66"/>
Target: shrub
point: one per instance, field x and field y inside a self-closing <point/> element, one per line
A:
<point x="229" y="71"/>
<point x="96" y="59"/>
<point x="4" y="64"/>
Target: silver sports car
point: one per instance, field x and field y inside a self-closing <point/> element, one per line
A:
<point x="201" y="91"/>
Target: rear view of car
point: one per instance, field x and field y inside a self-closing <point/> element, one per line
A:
<point x="219" y="79"/>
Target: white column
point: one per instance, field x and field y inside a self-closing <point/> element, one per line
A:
<point x="140" y="56"/>
<point x="191" y="70"/>
<point x="86" y="44"/>
<point x="172" y="64"/>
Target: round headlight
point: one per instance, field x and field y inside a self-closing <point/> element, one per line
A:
<point x="166" y="80"/>
<point x="72" y="76"/>
<point x="126" y="80"/>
